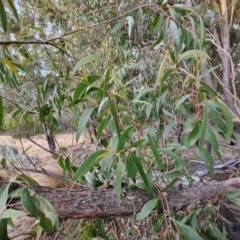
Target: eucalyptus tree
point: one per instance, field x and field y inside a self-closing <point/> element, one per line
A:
<point x="138" y="70"/>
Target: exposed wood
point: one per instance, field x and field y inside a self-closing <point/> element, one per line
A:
<point x="77" y="204"/>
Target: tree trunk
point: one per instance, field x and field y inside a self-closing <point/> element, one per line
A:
<point x="50" y="139"/>
<point x="78" y="204"/>
<point x="224" y="53"/>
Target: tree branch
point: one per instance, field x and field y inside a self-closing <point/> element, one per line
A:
<point x="78" y="204"/>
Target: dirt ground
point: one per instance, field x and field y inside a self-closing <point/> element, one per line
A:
<point x="66" y="144"/>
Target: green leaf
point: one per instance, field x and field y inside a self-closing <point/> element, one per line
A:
<point x="138" y="143"/>
<point x="161" y="71"/>
<point x="62" y="163"/>
<point x="83" y="122"/>
<point x="118" y="183"/>
<point x="10" y="213"/>
<point x="114" y="115"/>
<point x="141" y="172"/>
<point x="194" y="134"/>
<point x="228" y="116"/>
<point x="13" y="9"/>
<point x="203" y="128"/>
<point x="101" y="127"/>
<point x="233" y="196"/>
<point x="3" y="196"/>
<point x="176" y="33"/>
<point x="40" y="207"/>
<point x="155" y="152"/>
<point x="131" y="168"/>
<point x="193" y="54"/>
<point x="86" y="60"/>
<point x="181" y="100"/>
<point x="1" y="111"/>
<point x="27" y="179"/>
<point x="187" y="232"/>
<point x="3" y="229"/>
<point x="139" y="15"/>
<point x="75" y="102"/>
<point x="147" y="209"/>
<point x="125" y="137"/>
<point x="168" y="129"/>
<point x="117" y="27"/>
<point x="44" y="111"/>
<point x="3" y="17"/>
<point x="207" y="158"/>
<point x="89" y="163"/>
<point x="155" y="20"/>
<point x="150" y="181"/>
<point x="173" y="155"/>
<point x="211" y="136"/>
<point x="158" y="41"/>
<point x="83" y="86"/>
<point x="29" y="201"/>
<point x="172" y="174"/>
<point x="216" y="118"/>
<point x="68" y="164"/>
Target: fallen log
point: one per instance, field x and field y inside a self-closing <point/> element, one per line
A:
<point x="78" y="204"/>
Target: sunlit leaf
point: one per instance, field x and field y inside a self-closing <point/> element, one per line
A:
<point x="11" y="66"/>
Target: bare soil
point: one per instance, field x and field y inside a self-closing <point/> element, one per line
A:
<point x="66" y="145"/>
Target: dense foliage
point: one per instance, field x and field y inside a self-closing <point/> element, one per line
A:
<point x="145" y="77"/>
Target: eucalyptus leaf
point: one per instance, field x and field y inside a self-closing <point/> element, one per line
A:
<point x="147" y="209"/>
<point x="83" y="122"/>
<point x="86" y="60"/>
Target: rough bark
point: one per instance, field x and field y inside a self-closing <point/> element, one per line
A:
<point x="77" y="204"/>
<point x="50" y="138"/>
<point x="224" y="52"/>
